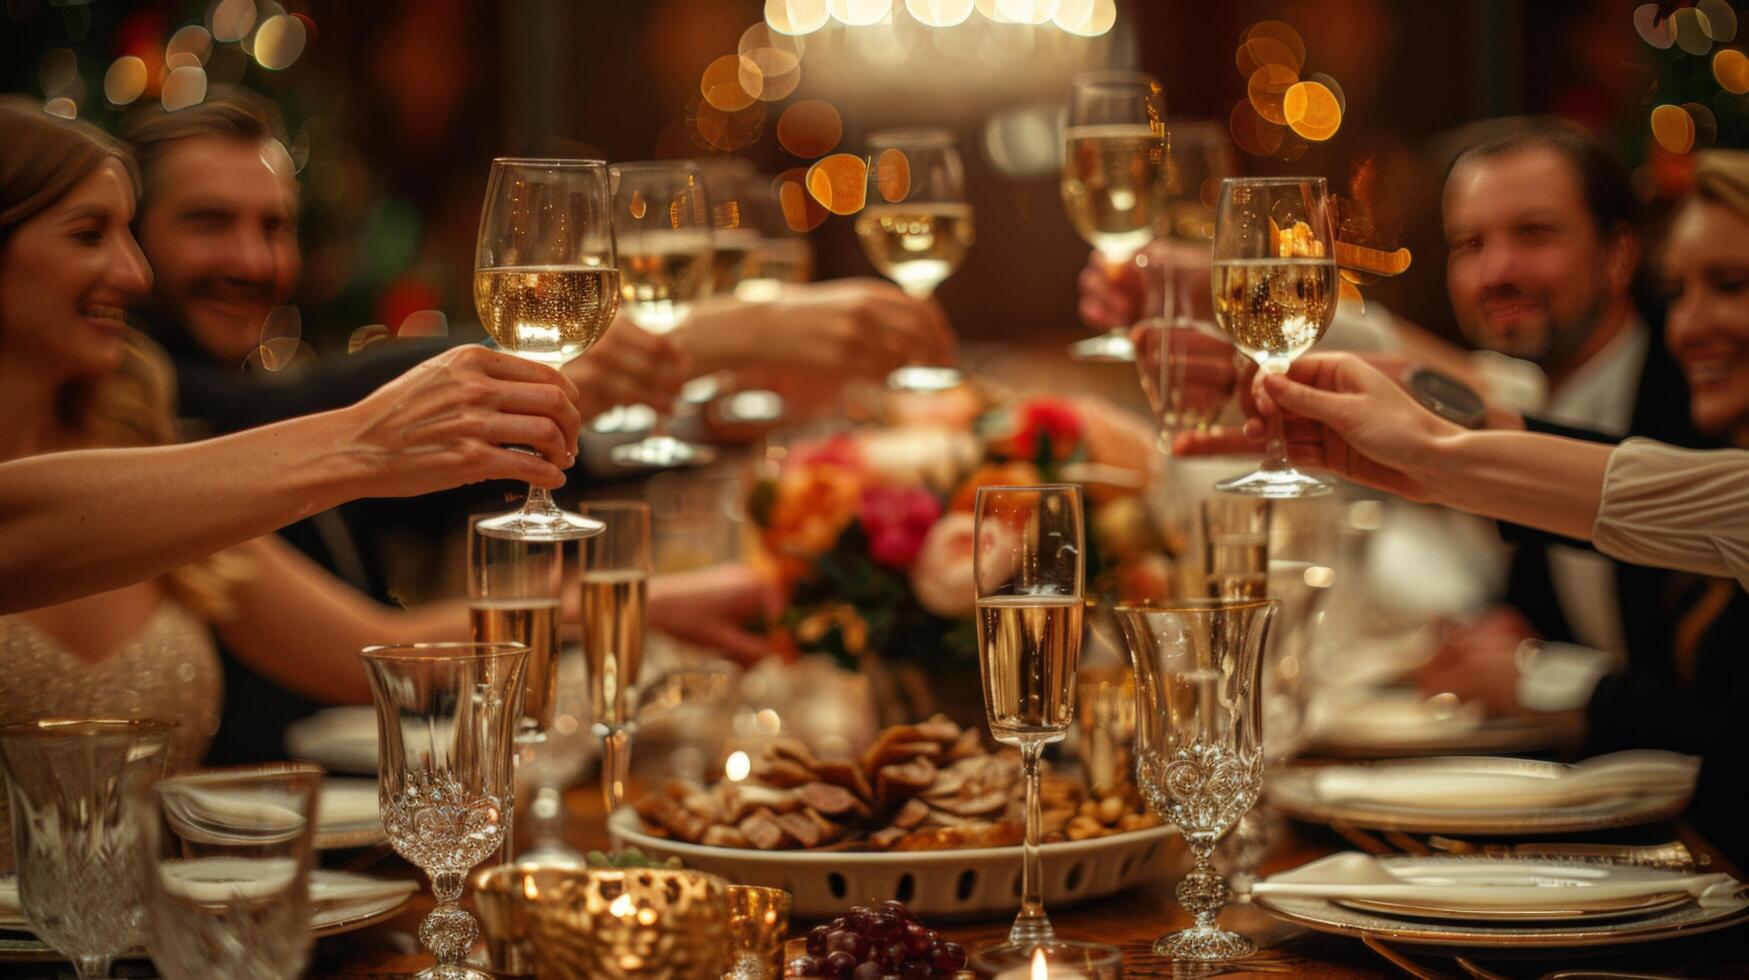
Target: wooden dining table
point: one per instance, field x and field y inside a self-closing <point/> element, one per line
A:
<point x="1132" y="920"/>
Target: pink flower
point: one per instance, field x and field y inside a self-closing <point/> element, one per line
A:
<point x="941" y="577"/>
<point x="896" y="519"/>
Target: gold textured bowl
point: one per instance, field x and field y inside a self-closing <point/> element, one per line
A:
<point x="758" y="924"/>
<point x="504" y="897"/>
<point x="631" y="924"/>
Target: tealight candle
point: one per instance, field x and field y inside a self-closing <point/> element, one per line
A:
<point x="1041" y="968"/>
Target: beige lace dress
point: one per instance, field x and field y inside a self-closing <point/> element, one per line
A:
<point x="169" y="671"/>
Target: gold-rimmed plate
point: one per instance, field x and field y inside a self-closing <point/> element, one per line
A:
<point x="1597" y="911"/>
<point x="1293" y="791"/>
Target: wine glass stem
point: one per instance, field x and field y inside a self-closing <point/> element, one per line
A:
<point x="1275" y="453"/>
<point x="91" y="967"/>
<point x="539" y="501"/>
<point x="616" y="757"/>
<point x="1203" y="891"/>
<point x="1031" y="927"/>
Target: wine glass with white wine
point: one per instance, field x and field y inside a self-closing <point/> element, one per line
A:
<point x="1115" y="179"/>
<point x="1274" y="283"/>
<point x="917" y="226"/>
<point x="546" y="287"/>
<point x="662" y="217"/>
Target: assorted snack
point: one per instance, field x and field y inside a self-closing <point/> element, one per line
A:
<point x="885" y="942"/>
<point x="927" y="786"/>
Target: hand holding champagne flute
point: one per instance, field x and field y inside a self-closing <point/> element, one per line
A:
<point x="1028" y="565"/>
<point x="1115" y="178"/>
<point x="1274" y="285"/>
<point x="546" y="287"/>
<point x="616" y="576"/>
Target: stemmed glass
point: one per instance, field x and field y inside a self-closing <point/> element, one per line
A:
<point x="1029" y="566"/>
<point x="546" y="287"/>
<point x="1114" y="181"/>
<point x="227" y="871"/>
<point x="447" y="715"/>
<point x="616" y="574"/>
<point x="1199" y="741"/>
<point x="728" y="182"/>
<point x="662" y="218"/>
<point x="917" y="225"/>
<point x="1274" y="284"/>
<point x="69" y="784"/>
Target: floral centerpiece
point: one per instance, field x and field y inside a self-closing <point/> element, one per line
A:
<point x="872" y="534"/>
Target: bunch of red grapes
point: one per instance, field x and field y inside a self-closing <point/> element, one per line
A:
<point x="882" y="943"/>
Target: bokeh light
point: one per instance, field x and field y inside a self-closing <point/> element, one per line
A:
<point x="1654" y="28"/>
<point x="726" y="131"/>
<point x="991" y="12"/>
<point x="1270" y="42"/>
<point x="810" y="128"/>
<point x="279" y="354"/>
<point x="282" y="322"/>
<point x="1335" y="89"/>
<point x="424" y="323"/>
<point x="58" y="72"/>
<point x="192" y="39"/>
<point x="62" y="106"/>
<point x="839" y="183"/>
<point x="1025" y="141"/>
<point x="1721" y="19"/>
<point x="940" y="13"/>
<point x="1267" y="87"/>
<point x="278" y="159"/>
<point x="1312" y="111"/>
<point x="892" y="175"/>
<point x="1027" y="11"/>
<point x="1693" y="30"/>
<point x="1706" y="125"/>
<point x="721" y="85"/>
<point x="232" y="20"/>
<point x="279" y="41"/>
<point x="770" y="62"/>
<point x="860" y="13"/>
<point x="796" y="16"/>
<point x="125" y="80"/>
<point x="800" y="211"/>
<point x="1731" y="70"/>
<point x="1253" y="133"/>
<point x="1673" y="128"/>
<point x="182" y="59"/>
<point x="365" y="336"/>
<point x="183" y="87"/>
<point x="1086" y="18"/>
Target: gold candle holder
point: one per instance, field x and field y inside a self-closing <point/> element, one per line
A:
<point x="632" y="924"/>
<point x="504" y="897"/>
<point x="758" y="925"/>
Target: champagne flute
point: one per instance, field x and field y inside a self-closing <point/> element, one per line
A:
<point x="785" y="255"/>
<point x="446" y="719"/>
<point x="1028" y="564"/>
<point x="616" y="574"/>
<point x="515" y="591"/>
<point x="728" y="182"/>
<point x="917" y="232"/>
<point x="662" y="218"/>
<point x="546" y="288"/>
<point x="1274" y="285"/>
<point x="1115" y="179"/>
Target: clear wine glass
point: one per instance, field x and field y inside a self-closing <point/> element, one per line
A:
<point x="70" y="785"/>
<point x="227" y="871"/>
<point x="616" y="574"/>
<point x="662" y="218"/>
<point x="785" y="255"/>
<point x="446" y="722"/>
<point x="1274" y="285"/>
<point x="546" y="287"/>
<point x="1114" y="181"/>
<point x="728" y="185"/>
<point x="1029" y="566"/>
<point x="516" y="590"/>
<point x="1199" y="741"/>
<point x="917" y="225"/>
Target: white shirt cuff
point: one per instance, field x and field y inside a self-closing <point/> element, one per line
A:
<point x="1562" y="676"/>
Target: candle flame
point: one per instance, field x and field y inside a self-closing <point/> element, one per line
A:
<point x="1040" y="966"/>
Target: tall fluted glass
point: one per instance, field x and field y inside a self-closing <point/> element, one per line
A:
<point x="616" y="575"/>
<point x="69" y="784"/>
<point x="226" y="871"/>
<point x="1199" y="741"/>
<point x="446" y="723"/>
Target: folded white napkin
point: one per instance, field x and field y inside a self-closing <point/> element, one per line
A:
<point x="348" y="803"/>
<point x="217" y="880"/>
<point x="1394" y="715"/>
<point x="1489" y="884"/>
<point x="1636" y="773"/>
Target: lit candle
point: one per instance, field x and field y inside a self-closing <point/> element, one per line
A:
<point x="1041" y="969"/>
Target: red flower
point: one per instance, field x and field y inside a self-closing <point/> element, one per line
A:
<point x="1049" y="417"/>
<point x="896" y="520"/>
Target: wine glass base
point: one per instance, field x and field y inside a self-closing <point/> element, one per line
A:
<point x="925" y="379"/>
<point x="554" y="525"/>
<point x="1280" y="484"/>
<point x="451" y="972"/>
<point x="1095" y="961"/>
<point x="1206" y="945"/>
<point x="1107" y="348"/>
<point x="662" y="452"/>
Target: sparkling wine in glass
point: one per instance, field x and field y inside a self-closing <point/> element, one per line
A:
<point x="728" y="186"/>
<point x="662" y="218"/>
<point x="616" y="577"/>
<point x="515" y="595"/>
<point x="447" y="715"/>
<point x="916" y="230"/>
<point x="1199" y="741"/>
<point x="1029" y="567"/>
<point x="1274" y="285"/>
<point x="1114" y="181"/>
<point x="546" y="287"/>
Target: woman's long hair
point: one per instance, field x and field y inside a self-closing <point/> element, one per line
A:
<point x="45" y="157"/>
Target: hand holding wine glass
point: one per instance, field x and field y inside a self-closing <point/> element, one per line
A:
<point x="546" y="287"/>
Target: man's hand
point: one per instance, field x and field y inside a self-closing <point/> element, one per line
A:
<point x="712" y="607"/>
<point x="1477" y="661"/>
<point x="628" y="366"/>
